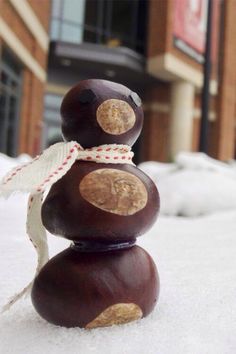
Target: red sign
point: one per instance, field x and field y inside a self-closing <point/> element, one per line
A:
<point x="190" y="18"/>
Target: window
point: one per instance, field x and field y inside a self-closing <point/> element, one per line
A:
<point x="67" y="20"/>
<point x="10" y="89"/>
<point x="52" y="120"/>
<point x="108" y="22"/>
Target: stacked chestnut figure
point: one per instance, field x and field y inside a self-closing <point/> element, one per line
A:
<point x="103" y="278"/>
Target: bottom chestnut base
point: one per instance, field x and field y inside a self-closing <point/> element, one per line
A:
<point x="96" y="289"/>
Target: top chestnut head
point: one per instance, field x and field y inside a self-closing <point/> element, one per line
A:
<point x="97" y="112"/>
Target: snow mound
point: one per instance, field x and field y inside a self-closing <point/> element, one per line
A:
<point x="194" y="184"/>
<point x="200" y="161"/>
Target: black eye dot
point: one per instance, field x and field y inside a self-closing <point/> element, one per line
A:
<point x="87" y="96"/>
<point x="136" y="99"/>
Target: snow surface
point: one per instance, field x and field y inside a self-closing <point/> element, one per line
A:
<point x="196" y="312"/>
<point x="194" y="184"/>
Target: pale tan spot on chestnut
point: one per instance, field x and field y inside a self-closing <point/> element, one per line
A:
<point x="115" y="116"/>
<point x="114" y="191"/>
<point x="116" y="314"/>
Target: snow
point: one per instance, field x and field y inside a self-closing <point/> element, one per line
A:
<point x="196" y="312"/>
<point x="194" y="184"/>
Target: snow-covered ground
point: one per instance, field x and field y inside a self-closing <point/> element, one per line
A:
<point x="196" y="312"/>
<point x="194" y="184"/>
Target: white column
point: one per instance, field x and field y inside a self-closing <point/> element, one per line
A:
<point x="181" y="117"/>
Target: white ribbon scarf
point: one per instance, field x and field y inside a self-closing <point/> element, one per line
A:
<point x="40" y="174"/>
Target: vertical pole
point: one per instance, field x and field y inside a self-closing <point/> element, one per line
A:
<point x="203" y="146"/>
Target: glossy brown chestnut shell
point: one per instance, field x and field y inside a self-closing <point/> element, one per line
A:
<point x="103" y="278"/>
<point x="79" y="111"/>
<point x="73" y="288"/>
<point x="66" y="213"/>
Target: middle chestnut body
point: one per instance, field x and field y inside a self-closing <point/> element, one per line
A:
<point x="105" y="202"/>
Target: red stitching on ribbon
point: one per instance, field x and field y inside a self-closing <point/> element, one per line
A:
<point x="15" y="172"/>
<point x="60" y="168"/>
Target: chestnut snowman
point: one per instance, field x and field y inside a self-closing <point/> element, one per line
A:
<point x="102" y="202"/>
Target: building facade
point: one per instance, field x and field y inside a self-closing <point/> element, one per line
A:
<point x="23" y="60"/>
<point x="144" y="45"/>
<point x="175" y="59"/>
<point x="94" y="39"/>
<point x="155" y="47"/>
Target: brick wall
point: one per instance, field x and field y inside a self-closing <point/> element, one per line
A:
<point x="225" y="124"/>
<point x="42" y="8"/>
<point x="155" y="135"/>
<point x="31" y="109"/>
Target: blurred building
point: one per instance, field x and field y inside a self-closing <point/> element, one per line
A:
<point x="155" y="47"/>
<point x="23" y="57"/>
<point x="94" y="39"/>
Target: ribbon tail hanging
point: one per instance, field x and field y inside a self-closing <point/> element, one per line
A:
<point x="40" y="174"/>
<point x="37" y="235"/>
<point x="35" y="229"/>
